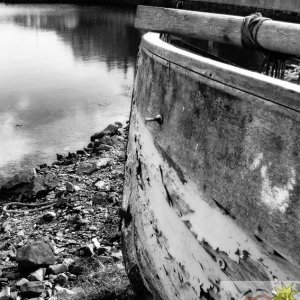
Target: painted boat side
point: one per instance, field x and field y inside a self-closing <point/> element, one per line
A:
<point x="213" y="192"/>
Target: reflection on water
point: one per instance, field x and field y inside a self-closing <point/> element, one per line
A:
<point x="65" y="73"/>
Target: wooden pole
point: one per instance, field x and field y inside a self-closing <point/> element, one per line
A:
<point x="280" y="5"/>
<point x="274" y="36"/>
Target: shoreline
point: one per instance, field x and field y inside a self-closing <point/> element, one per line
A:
<point x="73" y="207"/>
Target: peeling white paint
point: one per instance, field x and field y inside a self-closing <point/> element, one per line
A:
<point x="274" y="196"/>
<point x="257" y="161"/>
<point x="207" y="222"/>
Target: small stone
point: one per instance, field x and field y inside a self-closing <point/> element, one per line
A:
<point x="119" y="124"/>
<point x="97" y="135"/>
<point x="13" y="295"/>
<point x="103" y="162"/>
<point x="102" y="185"/>
<point x="77" y="188"/>
<point x="86" y="168"/>
<point x="81" y="152"/>
<point x="93" y="228"/>
<point x="48" y="217"/>
<point x="5" y="294"/>
<point x="113" y="197"/>
<point x="96" y="243"/>
<point x="69" y="187"/>
<point x="62" y="279"/>
<point x="99" y="198"/>
<point x="90" y="145"/>
<point x="106" y="140"/>
<point x="57" y="269"/>
<point x="76" y="269"/>
<point x="87" y="250"/>
<point x="68" y="261"/>
<point x="21" y="282"/>
<point x="59" y="156"/>
<point x="63" y="291"/>
<point x="32" y="288"/>
<point x="111" y="129"/>
<point x="37" y="275"/>
<point x="104" y="147"/>
<point x="13" y="275"/>
<point x="96" y="143"/>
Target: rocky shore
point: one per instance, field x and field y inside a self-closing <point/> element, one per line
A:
<point x="60" y="232"/>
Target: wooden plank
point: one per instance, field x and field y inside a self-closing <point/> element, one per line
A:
<point x="272" y="35"/>
<point x="287" y="5"/>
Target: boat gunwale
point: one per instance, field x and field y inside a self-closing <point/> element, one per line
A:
<point x="236" y="79"/>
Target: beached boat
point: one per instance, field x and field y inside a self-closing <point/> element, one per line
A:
<point x="211" y="199"/>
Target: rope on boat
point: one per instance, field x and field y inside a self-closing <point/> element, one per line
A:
<point x="274" y="64"/>
<point x="38" y="206"/>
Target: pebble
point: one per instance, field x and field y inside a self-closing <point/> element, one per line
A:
<point x="57" y="269"/>
<point x="37" y="275"/>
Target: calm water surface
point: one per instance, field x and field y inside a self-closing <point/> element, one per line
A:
<point x="65" y="73"/>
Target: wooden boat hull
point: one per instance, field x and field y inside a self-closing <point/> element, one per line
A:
<point x="212" y="194"/>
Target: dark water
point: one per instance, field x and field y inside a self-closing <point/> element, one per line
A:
<point x="65" y="73"/>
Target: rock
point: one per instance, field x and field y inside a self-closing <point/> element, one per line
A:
<point x="76" y="269"/>
<point x="104" y="147"/>
<point x="106" y="140"/>
<point x="68" y="261"/>
<point x="59" y="156"/>
<point x="13" y="275"/>
<point x="50" y="180"/>
<point x="117" y="255"/>
<point x="14" y="295"/>
<point x="86" y="168"/>
<point x="63" y="291"/>
<point x="48" y="217"/>
<point x="81" y="152"/>
<point x="69" y="187"/>
<point x="96" y="143"/>
<point x="99" y="198"/>
<point x="6" y="227"/>
<point x="103" y="162"/>
<point x="111" y="129"/>
<point x="57" y="269"/>
<point x="102" y="185"/>
<point x="37" y="275"/>
<point x="62" y="279"/>
<point x="96" y="243"/>
<point x="21" y="282"/>
<point x="87" y="250"/>
<point x="32" y="288"/>
<point x="35" y="255"/>
<point x="90" y="145"/>
<point x="21" y="178"/>
<point x="38" y="187"/>
<point x="97" y="135"/>
<point x="93" y="228"/>
<point x="119" y="124"/>
<point x="5" y="294"/>
<point x="113" y="197"/>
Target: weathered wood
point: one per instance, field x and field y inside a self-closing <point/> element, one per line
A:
<point x="272" y="35"/>
<point x="286" y="5"/>
<point x="213" y="192"/>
